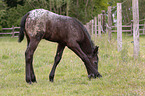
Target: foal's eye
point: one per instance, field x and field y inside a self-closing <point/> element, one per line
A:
<point x="95" y="62"/>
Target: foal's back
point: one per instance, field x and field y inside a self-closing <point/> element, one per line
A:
<point x="53" y="27"/>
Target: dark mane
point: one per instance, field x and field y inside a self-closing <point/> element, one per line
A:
<point x="86" y="32"/>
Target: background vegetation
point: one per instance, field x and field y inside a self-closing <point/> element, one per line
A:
<point x="11" y="11"/>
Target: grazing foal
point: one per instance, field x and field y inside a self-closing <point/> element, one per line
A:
<point x="66" y="31"/>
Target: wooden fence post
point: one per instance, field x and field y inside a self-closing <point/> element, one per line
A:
<point x="12" y="30"/>
<point x="99" y="25"/>
<point x="109" y="22"/>
<point x="87" y="27"/>
<point x="92" y="27"/>
<point x="103" y="21"/>
<point x="95" y="26"/>
<point x="135" y="11"/>
<point x="90" y="23"/>
<point x="119" y="26"/>
<point x="144" y="28"/>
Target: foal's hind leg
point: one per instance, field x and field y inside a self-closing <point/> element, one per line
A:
<point x="32" y="45"/>
<point x="58" y="56"/>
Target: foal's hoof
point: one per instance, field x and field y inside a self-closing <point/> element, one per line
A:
<point x="91" y="76"/>
<point x="94" y="75"/>
<point x="29" y="82"/>
<point x="34" y="80"/>
<point x="51" y="78"/>
<point x="99" y="75"/>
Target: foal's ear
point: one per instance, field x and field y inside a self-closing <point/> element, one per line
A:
<point x="96" y="49"/>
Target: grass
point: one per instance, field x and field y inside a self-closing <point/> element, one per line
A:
<point x="122" y="75"/>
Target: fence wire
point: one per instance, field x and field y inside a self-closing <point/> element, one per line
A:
<point x="142" y="11"/>
<point x="127" y="12"/>
<point x="127" y="15"/>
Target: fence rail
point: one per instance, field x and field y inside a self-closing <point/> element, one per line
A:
<point x="125" y="26"/>
<point x="93" y="28"/>
<point x="12" y="32"/>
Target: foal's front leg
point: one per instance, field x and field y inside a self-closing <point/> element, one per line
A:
<point x="58" y="56"/>
<point x="30" y="76"/>
<point x="91" y="70"/>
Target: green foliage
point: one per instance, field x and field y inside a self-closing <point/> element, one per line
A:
<point x="13" y="3"/>
<point x="11" y="11"/>
<point x="13" y="15"/>
<point x="2" y="13"/>
<point x="3" y="20"/>
<point x="84" y="10"/>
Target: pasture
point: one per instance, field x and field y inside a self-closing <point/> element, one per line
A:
<point x="122" y="75"/>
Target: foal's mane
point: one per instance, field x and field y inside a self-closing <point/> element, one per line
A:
<point x="85" y="31"/>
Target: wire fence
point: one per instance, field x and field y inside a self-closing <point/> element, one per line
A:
<point x="127" y="16"/>
<point x="142" y="10"/>
<point x="120" y="19"/>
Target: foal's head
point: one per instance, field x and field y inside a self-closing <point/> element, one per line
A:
<point x="94" y="57"/>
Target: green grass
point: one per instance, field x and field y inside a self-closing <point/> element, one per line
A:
<point x="122" y="75"/>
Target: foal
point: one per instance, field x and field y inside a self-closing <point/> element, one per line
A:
<point x="66" y="31"/>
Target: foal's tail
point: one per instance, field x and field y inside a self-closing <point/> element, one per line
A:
<point x="22" y="28"/>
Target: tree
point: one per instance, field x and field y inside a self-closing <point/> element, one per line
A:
<point x="84" y="10"/>
<point x="13" y="3"/>
<point x="2" y="13"/>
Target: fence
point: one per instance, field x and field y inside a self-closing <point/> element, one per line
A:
<point x="12" y="33"/>
<point x="94" y="28"/>
<point x="134" y="28"/>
